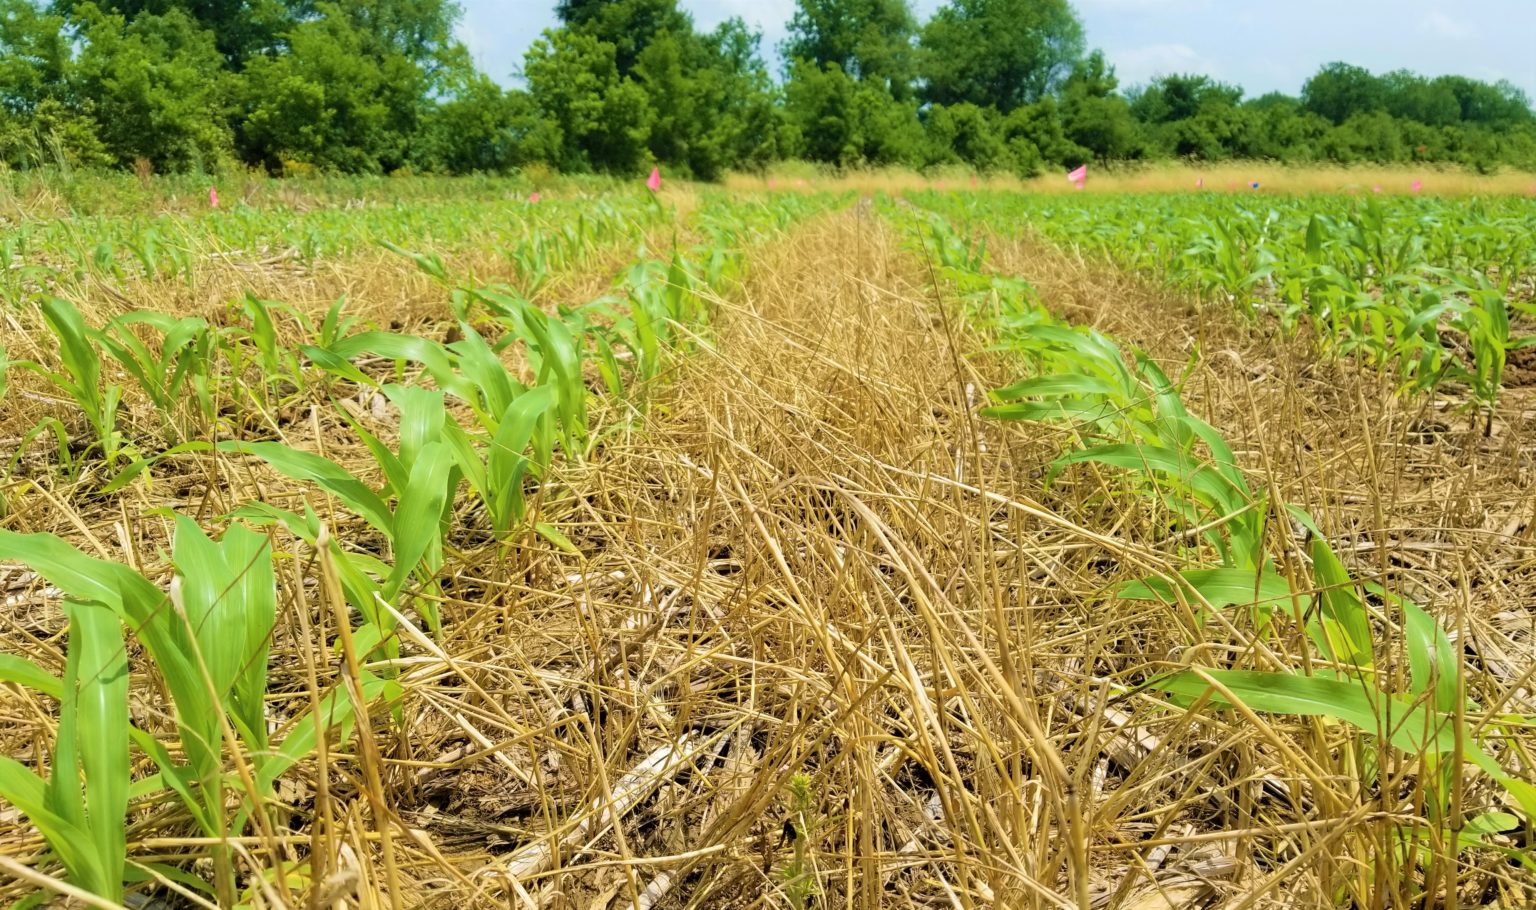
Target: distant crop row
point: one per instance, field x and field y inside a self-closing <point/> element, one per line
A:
<point x="1428" y="290"/>
<point x="53" y="255"/>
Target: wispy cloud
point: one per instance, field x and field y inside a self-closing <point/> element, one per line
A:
<point x="1442" y="25"/>
<point x="1143" y="64"/>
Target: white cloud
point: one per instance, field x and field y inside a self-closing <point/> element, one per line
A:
<point x="1143" y="64"/>
<point x="1443" y="26"/>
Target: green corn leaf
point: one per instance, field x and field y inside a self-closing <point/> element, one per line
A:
<point x="1050" y="411"/>
<point x="1058" y="386"/>
<point x="229" y="595"/>
<point x="1432" y="662"/>
<point x="138" y="466"/>
<point x="337" y="365"/>
<point x="178" y="778"/>
<point x="422" y="416"/>
<point x="417" y="529"/>
<point x="335" y="712"/>
<point x="480" y="364"/>
<point x="1343" y="630"/>
<point x="22" y="788"/>
<point x="24" y="672"/>
<point x="100" y="681"/>
<point x="75" y="347"/>
<point x="394" y="472"/>
<point x="552" y="534"/>
<point x="506" y="463"/>
<point x="1409" y="727"/>
<point x="330" y="476"/>
<point x="1205" y="483"/>
<point x="1221" y="588"/>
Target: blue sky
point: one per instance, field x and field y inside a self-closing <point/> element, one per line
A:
<point x="1262" y="45"/>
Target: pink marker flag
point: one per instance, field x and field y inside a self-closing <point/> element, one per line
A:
<point x="1375" y="189"/>
<point x="213" y="197"/>
<point x="1418" y="186"/>
<point x="1079" y="176"/>
<point x="653" y="183"/>
<point x="535" y="197"/>
<point x="1199" y="183"/>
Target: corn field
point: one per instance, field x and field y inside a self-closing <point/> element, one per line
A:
<point x="407" y="546"/>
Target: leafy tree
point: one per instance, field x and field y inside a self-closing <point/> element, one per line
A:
<point x="1035" y="138"/>
<point x="354" y="87"/>
<point x="377" y="85"/>
<point x="965" y="133"/>
<point x="1410" y="96"/>
<point x="240" y="28"/>
<point x="603" y="119"/>
<point x="1182" y="97"/>
<point x="34" y="56"/>
<point x="629" y="25"/>
<point x="1340" y="91"/>
<point x="1094" y="118"/>
<point x="713" y="100"/>
<point x="472" y="130"/>
<point x="999" y="53"/>
<point x="1500" y="105"/>
<point x="158" y="88"/>
<point x="326" y="103"/>
<point x="842" y="121"/>
<point x="868" y="40"/>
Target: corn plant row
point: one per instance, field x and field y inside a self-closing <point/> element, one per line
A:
<point x="1428" y="290"/>
<point x="1129" y="416"/>
<point x="475" y="439"/>
<point x="62" y="256"/>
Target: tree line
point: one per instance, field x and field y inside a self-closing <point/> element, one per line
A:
<point x="380" y="86"/>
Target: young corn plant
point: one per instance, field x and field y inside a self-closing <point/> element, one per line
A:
<point x="81" y="378"/>
<point x="176" y="374"/>
<point x="420" y="478"/>
<point x="81" y="807"/>
<point x="208" y="641"/>
<point x="1426" y="722"/>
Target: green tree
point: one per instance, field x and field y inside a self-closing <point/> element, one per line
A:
<point x="240" y="28"/>
<point x="1035" y="139"/>
<point x="158" y="87"/>
<point x="1340" y="91"/>
<point x="1410" y="96"/>
<point x="713" y="101"/>
<point x="840" y="120"/>
<point x="602" y="118"/>
<point x="629" y="25"/>
<point x="868" y="40"/>
<point x="1182" y="97"/>
<point x="473" y="129"/>
<point x="999" y="53"/>
<point x="354" y="88"/>
<point x="965" y="133"/>
<point x="1094" y="117"/>
<point x="34" y="56"/>
<point x="41" y="122"/>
